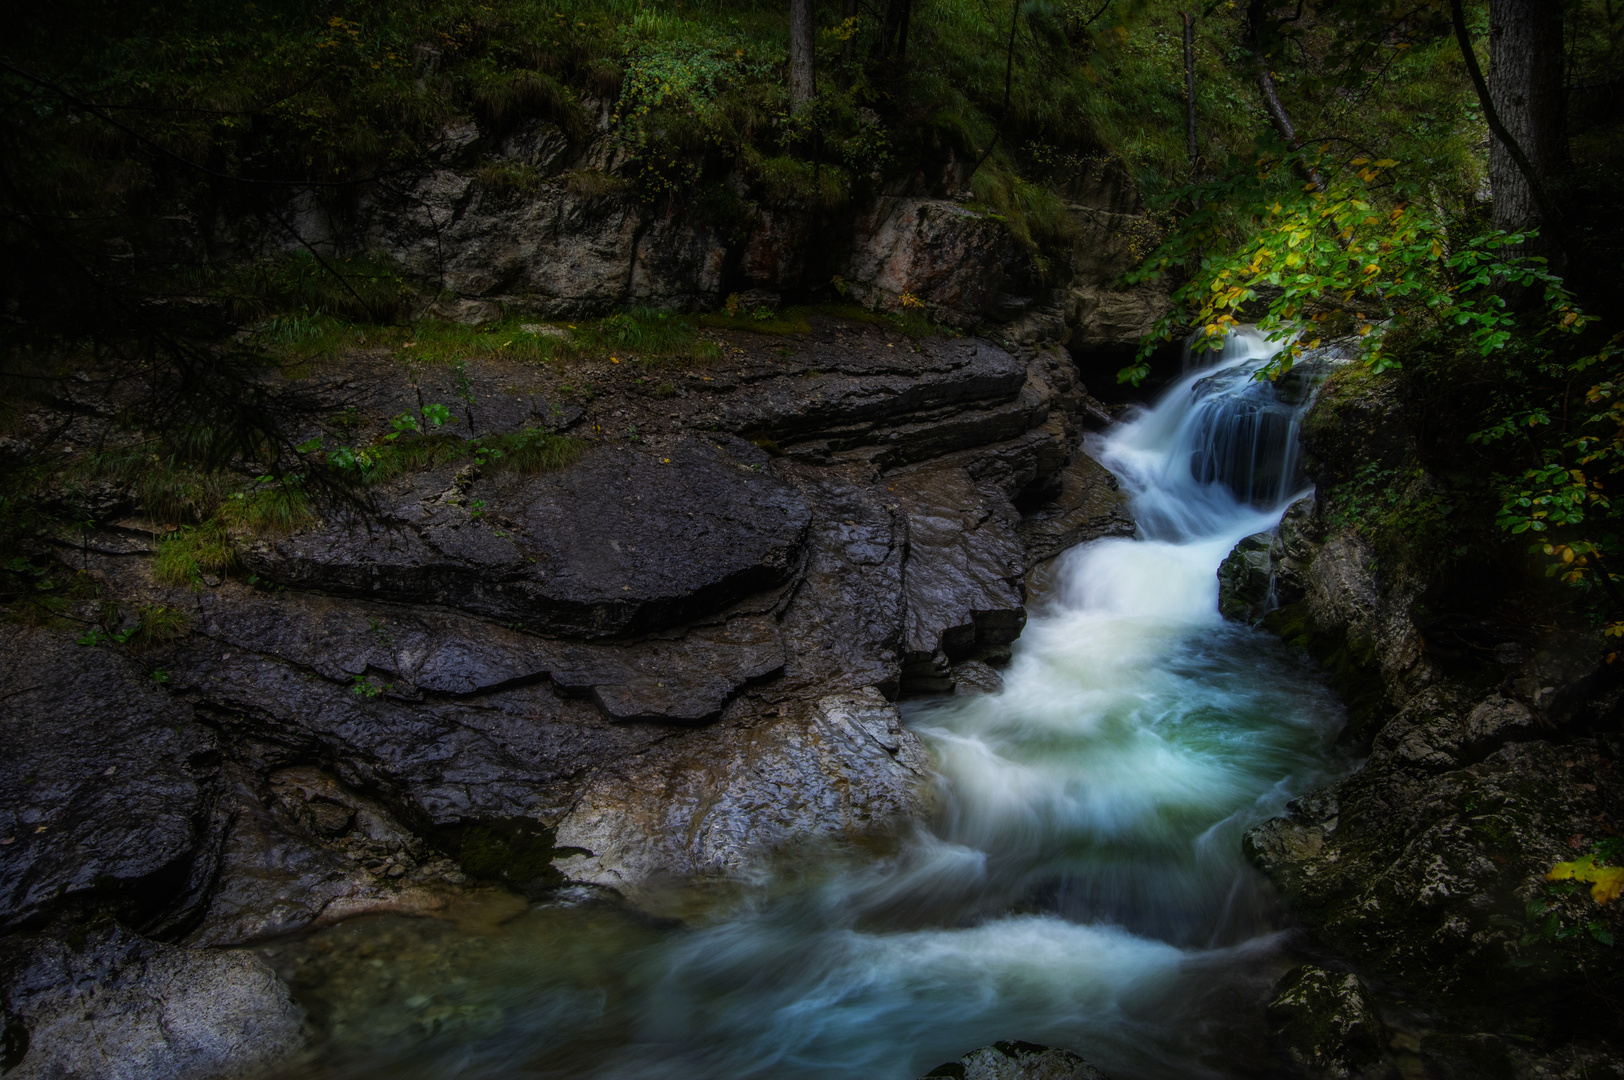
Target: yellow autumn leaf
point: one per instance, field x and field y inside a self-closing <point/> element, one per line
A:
<point x="1606" y="882"/>
<point x="1385" y="163"/>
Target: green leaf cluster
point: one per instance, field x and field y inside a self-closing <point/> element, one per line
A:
<point x="1349" y="248"/>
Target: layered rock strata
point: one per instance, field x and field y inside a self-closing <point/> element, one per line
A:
<point x="671" y="660"/>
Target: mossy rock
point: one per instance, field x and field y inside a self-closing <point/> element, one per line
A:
<point x="519" y="854"/>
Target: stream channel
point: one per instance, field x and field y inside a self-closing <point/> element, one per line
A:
<point x="1081" y="884"/>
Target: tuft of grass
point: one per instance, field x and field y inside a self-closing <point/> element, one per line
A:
<point x="641" y="329"/>
<point x="438" y="341"/>
<point x="165" y="488"/>
<point x="531" y="451"/>
<point x="159" y="625"/>
<point x="503" y="99"/>
<point x="412" y="452"/>
<point x="280" y="508"/>
<point x="591" y="185"/>
<point x="509" y="177"/>
<point x="790" y="181"/>
<point x="792" y="320"/>
<point x="293" y="290"/>
<point x="188" y="553"/>
<point x="1035" y="216"/>
<point x="178" y="495"/>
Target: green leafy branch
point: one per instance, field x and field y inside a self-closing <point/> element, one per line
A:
<point x="1374" y="256"/>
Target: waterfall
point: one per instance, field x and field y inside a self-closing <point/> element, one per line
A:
<point x="1083" y="884"/>
<point x="1217" y="440"/>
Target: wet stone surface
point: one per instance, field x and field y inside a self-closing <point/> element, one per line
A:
<point x="676" y="659"/>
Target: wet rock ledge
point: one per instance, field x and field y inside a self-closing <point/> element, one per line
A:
<point x="672" y="659"/>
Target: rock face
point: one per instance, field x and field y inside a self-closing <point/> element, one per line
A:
<point x="1088" y="506"/>
<point x="1018" y="1061"/>
<point x="1268" y="570"/>
<point x="1427" y="868"/>
<point x="116" y="1005"/>
<point x="677" y="658"/>
<point x="964" y="266"/>
<point x="1327" y="1023"/>
<point x="716" y="804"/>
<point x="581" y="241"/>
<point x="111" y="789"/>
<point x="1429" y="864"/>
<point x="1104" y="320"/>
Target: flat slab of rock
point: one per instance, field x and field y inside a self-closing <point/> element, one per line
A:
<point x="684" y="676"/>
<point x="107" y="784"/>
<point x="623" y="542"/>
<point x="121" y="1007"/>
<point x="713" y="803"/>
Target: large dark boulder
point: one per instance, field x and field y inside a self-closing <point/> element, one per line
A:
<point x="108" y="787"/>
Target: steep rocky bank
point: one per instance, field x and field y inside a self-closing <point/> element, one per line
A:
<point x="675" y="658"/>
<point x="1438" y="946"/>
<point x="580" y="240"/>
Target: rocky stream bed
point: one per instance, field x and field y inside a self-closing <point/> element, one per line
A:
<point x="680" y="658"/>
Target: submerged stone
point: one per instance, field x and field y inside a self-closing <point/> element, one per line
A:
<point x="116" y="1005"/>
<point x="1017" y="1061"/>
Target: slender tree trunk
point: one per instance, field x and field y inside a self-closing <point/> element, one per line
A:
<point x="1009" y="83"/>
<point x="1189" y="92"/>
<point x="803" y="85"/>
<point x="1256" y="13"/>
<point x="1525" y="84"/>
<point x="1191" y="146"/>
<point x="904" y="17"/>
<point x="848" y="11"/>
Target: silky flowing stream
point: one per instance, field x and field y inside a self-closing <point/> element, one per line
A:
<point x="1082" y="886"/>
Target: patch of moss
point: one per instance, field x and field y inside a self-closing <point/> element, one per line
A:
<point x="1352" y="664"/>
<point x="791" y="320"/>
<point x="517" y="853"/>
<point x="532" y="451"/>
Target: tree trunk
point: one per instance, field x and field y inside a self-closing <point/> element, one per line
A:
<point x="1525" y="84"/>
<point x="848" y="12"/>
<point x="1189" y="92"/>
<point x="904" y="14"/>
<point x="1256" y="15"/>
<point x="803" y="85"/>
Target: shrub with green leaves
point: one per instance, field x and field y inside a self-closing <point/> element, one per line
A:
<point x="1340" y="247"/>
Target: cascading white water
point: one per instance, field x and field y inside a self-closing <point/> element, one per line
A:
<point x="1084" y="886"/>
